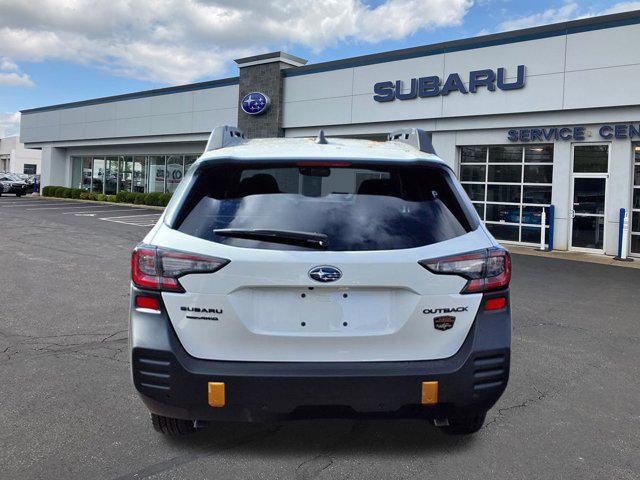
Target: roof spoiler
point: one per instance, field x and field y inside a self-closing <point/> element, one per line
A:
<point x="225" y="136"/>
<point x="415" y="137"/>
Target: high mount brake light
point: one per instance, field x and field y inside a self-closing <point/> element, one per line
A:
<point x="316" y="163"/>
<point x="485" y="270"/>
<point x="156" y="268"/>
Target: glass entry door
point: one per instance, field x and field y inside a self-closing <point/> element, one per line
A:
<point x="588" y="215"/>
<point x="589" y="193"/>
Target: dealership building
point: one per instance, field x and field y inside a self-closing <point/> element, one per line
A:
<point x="547" y="116"/>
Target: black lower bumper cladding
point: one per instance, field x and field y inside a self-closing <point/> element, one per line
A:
<point x="174" y="384"/>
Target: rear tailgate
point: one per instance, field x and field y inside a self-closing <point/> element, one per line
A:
<point x="263" y="306"/>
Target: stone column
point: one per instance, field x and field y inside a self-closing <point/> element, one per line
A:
<point x="263" y="73"/>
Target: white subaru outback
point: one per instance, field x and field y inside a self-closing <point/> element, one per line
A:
<point x="328" y="277"/>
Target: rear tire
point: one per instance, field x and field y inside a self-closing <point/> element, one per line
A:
<point x="464" y="425"/>
<point x="173" y="427"/>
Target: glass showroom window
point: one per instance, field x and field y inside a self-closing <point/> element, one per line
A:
<point x="635" y="212"/>
<point x="125" y="173"/>
<point x="156" y="176"/>
<point x="509" y="186"/>
<point x="175" y="166"/>
<point x="111" y="176"/>
<point x="139" y="173"/>
<point x="97" y="183"/>
<point x="131" y="173"/>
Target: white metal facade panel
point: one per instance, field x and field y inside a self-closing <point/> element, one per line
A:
<point x="604" y="87"/>
<point x="603" y="48"/>
<point x="542" y="92"/>
<point x="157" y="115"/>
<point x="216" y="98"/>
<point x="206" y="120"/>
<point x="135" y="108"/>
<point x="337" y="83"/>
<point x="324" y="111"/>
<point x="541" y="57"/>
<point x="365" y="110"/>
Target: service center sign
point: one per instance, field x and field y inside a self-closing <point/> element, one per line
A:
<point x="425" y="87"/>
<point x="578" y="134"/>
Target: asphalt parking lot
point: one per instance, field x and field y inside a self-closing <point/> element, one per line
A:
<point x="68" y="409"/>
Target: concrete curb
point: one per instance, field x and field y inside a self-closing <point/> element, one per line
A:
<point x="80" y="200"/>
<point x="574" y="256"/>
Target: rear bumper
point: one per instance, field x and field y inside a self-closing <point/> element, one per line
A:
<point x="174" y="384"/>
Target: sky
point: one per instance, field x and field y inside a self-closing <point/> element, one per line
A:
<point x="57" y="51"/>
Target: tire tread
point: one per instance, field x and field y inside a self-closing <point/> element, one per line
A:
<point x="173" y="427"/>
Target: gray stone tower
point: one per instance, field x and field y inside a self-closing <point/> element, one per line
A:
<point x="263" y="73"/>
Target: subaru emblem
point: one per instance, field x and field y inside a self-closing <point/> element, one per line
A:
<point x="255" y="103"/>
<point x="325" y="273"/>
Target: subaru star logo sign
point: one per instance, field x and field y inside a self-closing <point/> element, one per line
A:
<point x="255" y="103"/>
<point x="325" y="273"/>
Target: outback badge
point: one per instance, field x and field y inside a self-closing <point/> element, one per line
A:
<point x="444" y="322"/>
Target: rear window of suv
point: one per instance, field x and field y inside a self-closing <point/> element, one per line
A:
<point x="357" y="207"/>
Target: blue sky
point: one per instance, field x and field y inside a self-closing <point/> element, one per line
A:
<point x="56" y="51"/>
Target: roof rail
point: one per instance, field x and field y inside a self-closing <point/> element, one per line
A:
<point x="416" y="137"/>
<point x="225" y="136"/>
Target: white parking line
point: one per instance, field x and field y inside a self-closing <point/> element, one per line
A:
<point x="146" y="222"/>
<point x="101" y="211"/>
<point x="137" y="216"/>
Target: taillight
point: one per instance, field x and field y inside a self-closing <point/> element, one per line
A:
<point x="486" y="270"/>
<point x="157" y="268"/>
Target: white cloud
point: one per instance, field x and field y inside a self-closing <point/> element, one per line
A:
<point x="621" y="7"/>
<point x="13" y="79"/>
<point x="9" y="123"/>
<point x="176" y="41"/>
<point x="571" y="10"/>
<point x="551" y="15"/>
<point x="6" y="64"/>
<point x="11" y="76"/>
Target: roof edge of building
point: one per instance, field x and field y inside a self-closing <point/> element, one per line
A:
<point x="223" y="82"/>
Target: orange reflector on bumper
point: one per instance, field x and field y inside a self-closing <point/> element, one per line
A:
<point x="429" y="393"/>
<point x="216" y="394"/>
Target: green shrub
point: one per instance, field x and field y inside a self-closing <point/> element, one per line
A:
<point x="124" y="197"/>
<point x="153" y="199"/>
<point x="165" y="199"/>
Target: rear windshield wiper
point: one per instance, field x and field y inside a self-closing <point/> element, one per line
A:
<point x="289" y="237"/>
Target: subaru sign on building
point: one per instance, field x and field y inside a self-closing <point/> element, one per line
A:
<point x="547" y="116"/>
<point x="255" y="103"/>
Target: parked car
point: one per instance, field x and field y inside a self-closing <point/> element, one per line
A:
<point x="12" y="184"/>
<point x="319" y="277"/>
<point x="26" y="178"/>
